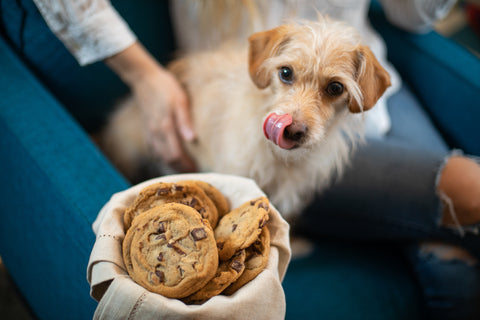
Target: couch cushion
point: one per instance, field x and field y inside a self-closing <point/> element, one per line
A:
<point x="351" y="281"/>
<point x="53" y="183"/>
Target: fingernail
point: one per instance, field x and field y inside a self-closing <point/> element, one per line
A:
<point x="188" y="134"/>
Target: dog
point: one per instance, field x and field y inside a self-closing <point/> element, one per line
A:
<point x="285" y="110"/>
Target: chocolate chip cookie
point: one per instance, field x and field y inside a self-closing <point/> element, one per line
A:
<point x="255" y="261"/>
<point x="186" y="193"/>
<point x="239" y="228"/>
<point x="228" y="272"/>
<point x="170" y="250"/>
<point x="222" y="204"/>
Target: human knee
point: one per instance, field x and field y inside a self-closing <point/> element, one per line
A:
<point x="458" y="186"/>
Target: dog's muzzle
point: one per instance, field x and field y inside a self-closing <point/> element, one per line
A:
<point x="281" y="130"/>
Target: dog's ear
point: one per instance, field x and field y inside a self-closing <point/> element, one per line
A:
<point x="263" y="45"/>
<point x="371" y="77"/>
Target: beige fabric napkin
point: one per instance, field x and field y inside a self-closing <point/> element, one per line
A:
<point x="121" y="298"/>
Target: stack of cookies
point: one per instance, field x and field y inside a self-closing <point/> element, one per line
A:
<point x="183" y="241"/>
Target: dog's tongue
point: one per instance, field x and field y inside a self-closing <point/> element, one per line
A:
<point x="274" y="127"/>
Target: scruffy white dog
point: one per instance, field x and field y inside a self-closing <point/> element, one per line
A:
<point x="286" y="111"/>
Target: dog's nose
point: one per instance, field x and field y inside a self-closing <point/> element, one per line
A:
<point x="295" y="131"/>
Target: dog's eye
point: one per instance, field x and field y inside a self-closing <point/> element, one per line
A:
<point x="286" y="75"/>
<point x="335" y="88"/>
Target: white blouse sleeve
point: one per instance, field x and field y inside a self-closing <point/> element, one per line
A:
<point x="416" y="15"/>
<point x="92" y="30"/>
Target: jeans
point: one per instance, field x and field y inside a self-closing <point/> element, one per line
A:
<point x="388" y="193"/>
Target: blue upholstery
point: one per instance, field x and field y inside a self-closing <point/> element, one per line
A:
<point x="54" y="181"/>
<point x="347" y="281"/>
<point x="445" y="77"/>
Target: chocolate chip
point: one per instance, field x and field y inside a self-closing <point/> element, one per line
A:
<point x="178" y="188"/>
<point x="198" y="234"/>
<point x="180" y="270"/>
<point x="237" y="265"/>
<point x="171" y="244"/>
<point x="179" y="251"/>
<point x="160" y="275"/>
<point x="160" y="257"/>
<point x="161" y="237"/>
<point x="256" y="248"/>
<point x="234" y="227"/>
<point x="220" y="245"/>
<point x="193" y="202"/>
<point x="251" y="256"/>
<point x="161" y="228"/>
<point x="262" y="223"/>
<point x="263" y="205"/>
<point x="162" y="191"/>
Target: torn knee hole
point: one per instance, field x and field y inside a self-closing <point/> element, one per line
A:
<point x="451" y="219"/>
<point x="458" y="187"/>
<point x="447" y="252"/>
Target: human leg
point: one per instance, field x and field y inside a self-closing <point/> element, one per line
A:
<point x="458" y="187"/>
<point x="449" y="277"/>
<point x="391" y="192"/>
<point x="448" y="274"/>
<point x="458" y="178"/>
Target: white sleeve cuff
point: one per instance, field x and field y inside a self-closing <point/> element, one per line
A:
<point x="98" y="37"/>
<point x="91" y="33"/>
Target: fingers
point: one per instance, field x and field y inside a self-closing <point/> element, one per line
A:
<point x="178" y="159"/>
<point x="183" y="118"/>
<point x="166" y="111"/>
<point x="168" y="146"/>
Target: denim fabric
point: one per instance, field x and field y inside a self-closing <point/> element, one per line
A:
<point x="451" y="287"/>
<point x="388" y="194"/>
<point x="388" y="191"/>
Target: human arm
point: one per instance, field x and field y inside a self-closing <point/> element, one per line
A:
<point x="163" y="102"/>
<point x="92" y="31"/>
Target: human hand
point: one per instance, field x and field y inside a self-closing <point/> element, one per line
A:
<point x="163" y="102"/>
<point x="166" y="113"/>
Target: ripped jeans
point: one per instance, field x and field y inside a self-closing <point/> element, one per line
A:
<point x="388" y="193"/>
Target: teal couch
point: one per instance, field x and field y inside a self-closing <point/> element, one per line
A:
<point x="54" y="180"/>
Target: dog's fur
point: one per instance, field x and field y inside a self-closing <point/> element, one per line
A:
<point x="230" y="100"/>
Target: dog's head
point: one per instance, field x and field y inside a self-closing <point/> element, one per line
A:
<point x="315" y="70"/>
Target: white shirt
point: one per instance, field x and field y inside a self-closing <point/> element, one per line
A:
<point x="414" y="15"/>
<point x="92" y="30"/>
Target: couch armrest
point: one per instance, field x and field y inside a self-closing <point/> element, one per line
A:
<point x="444" y="75"/>
<point x="53" y="183"/>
